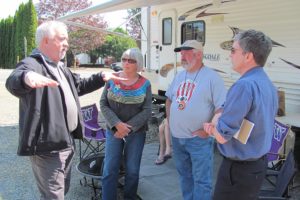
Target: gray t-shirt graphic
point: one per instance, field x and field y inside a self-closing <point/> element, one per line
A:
<point x="195" y="97"/>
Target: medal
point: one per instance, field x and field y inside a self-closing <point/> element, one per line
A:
<point x="185" y="91"/>
<point x="181" y="105"/>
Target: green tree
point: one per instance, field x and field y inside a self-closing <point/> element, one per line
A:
<point x="13" y="30"/>
<point x="19" y="36"/>
<point x="115" y="45"/>
<point x="101" y="51"/>
<point x="6" y="28"/>
<point x="134" y="24"/>
<point x="30" y="26"/>
<point x="12" y="47"/>
<point x="80" y="40"/>
<point x="8" y="33"/>
<point x="2" y="42"/>
<point x="26" y="24"/>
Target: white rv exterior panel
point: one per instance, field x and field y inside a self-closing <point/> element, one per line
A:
<point x="280" y="20"/>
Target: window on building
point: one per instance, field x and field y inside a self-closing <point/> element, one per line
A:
<point x="167" y="31"/>
<point x="194" y="30"/>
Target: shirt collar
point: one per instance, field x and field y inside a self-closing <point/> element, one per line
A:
<point x="252" y="71"/>
<point x="37" y="52"/>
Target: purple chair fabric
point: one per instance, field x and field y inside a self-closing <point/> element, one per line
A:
<point x="92" y="128"/>
<point x="279" y="134"/>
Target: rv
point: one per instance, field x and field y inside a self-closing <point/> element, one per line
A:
<point x="168" y="23"/>
<point x="214" y="23"/>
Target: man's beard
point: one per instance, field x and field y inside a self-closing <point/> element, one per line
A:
<point x="186" y="65"/>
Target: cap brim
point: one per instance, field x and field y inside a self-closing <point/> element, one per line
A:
<point x="178" y="49"/>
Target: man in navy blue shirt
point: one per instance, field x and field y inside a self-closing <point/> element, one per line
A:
<point x="252" y="97"/>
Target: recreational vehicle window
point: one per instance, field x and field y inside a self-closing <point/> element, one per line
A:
<point x="194" y="30"/>
<point x="167" y="31"/>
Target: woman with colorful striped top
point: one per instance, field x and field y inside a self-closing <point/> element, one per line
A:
<point x="126" y="106"/>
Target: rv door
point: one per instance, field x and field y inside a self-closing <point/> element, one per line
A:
<point x="167" y="30"/>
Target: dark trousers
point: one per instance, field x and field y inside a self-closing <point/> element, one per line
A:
<point x="240" y="179"/>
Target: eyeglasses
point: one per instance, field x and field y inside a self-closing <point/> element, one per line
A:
<point x="233" y="50"/>
<point x="131" y="61"/>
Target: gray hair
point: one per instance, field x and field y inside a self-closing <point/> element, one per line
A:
<point x="257" y="43"/>
<point x="47" y="29"/>
<point x="135" y="54"/>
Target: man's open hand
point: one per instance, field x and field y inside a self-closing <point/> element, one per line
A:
<point x="35" y="80"/>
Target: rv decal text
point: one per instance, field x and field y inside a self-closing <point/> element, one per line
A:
<point x="212" y="57"/>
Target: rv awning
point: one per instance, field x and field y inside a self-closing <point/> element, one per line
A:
<point x="115" y="5"/>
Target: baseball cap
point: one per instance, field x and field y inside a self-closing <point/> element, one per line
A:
<point x="188" y="45"/>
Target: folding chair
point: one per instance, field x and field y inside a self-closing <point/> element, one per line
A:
<point x="283" y="179"/>
<point x="94" y="135"/>
<point x="274" y="156"/>
<point x="91" y="151"/>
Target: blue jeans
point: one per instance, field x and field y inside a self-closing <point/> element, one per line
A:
<point x="132" y="150"/>
<point x="194" y="162"/>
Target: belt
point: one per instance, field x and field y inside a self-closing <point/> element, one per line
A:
<point x="249" y="161"/>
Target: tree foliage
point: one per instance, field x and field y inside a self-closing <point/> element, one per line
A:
<point x="26" y="24"/>
<point x="12" y="58"/>
<point x="134" y="24"/>
<point x="114" y="45"/>
<point x="53" y="9"/>
<point x="17" y="35"/>
<point x="30" y="26"/>
<point x="5" y="32"/>
<point x="80" y="40"/>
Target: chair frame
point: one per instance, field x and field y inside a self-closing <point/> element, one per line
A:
<point x="96" y="132"/>
<point x="284" y="177"/>
<point x="280" y="133"/>
<point x="94" y="138"/>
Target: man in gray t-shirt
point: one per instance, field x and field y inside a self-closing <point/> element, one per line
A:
<point x="195" y="96"/>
